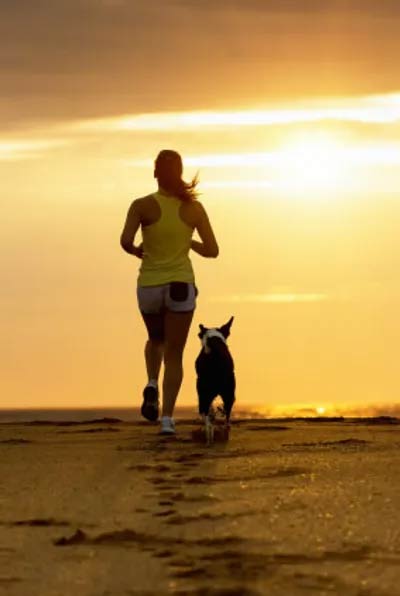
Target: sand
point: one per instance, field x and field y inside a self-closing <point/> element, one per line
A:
<point x="285" y="508"/>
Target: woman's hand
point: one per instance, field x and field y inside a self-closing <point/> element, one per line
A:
<point x="137" y="251"/>
<point x="208" y="247"/>
<point x="204" y="250"/>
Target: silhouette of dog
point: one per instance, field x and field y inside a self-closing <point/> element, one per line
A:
<point x="215" y="374"/>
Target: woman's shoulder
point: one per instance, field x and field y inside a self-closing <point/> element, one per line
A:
<point x="192" y="211"/>
<point x="146" y="208"/>
<point x="142" y="204"/>
<point x="145" y="200"/>
<point x="195" y="207"/>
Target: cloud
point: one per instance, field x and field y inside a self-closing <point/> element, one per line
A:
<point x="274" y="298"/>
<point x="381" y="109"/>
<point x="319" y="145"/>
<point x="16" y="150"/>
<point x="303" y="156"/>
<point x="383" y="7"/>
<point x="81" y="58"/>
<point x="237" y="184"/>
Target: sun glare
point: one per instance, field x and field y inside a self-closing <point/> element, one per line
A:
<point x="312" y="163"/>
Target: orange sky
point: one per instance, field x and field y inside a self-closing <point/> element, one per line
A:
<point x="292" y="117"/>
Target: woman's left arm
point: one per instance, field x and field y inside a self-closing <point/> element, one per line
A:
<point x="131" y="226"/>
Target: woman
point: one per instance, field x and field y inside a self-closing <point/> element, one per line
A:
<point x="166" y="288"/>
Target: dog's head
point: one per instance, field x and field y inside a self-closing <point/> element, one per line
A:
<point x="213" y="335"/>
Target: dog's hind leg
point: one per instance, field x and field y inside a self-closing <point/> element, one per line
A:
<point x="228" y="398"/>
<point x="209" y="429"/>
<point x="206" y="394"/>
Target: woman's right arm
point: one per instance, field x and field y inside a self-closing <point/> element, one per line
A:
<point x="131" y="226"/>
<point x="208" y="246"/>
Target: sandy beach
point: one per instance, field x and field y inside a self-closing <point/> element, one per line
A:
<point x="285" y="507"/>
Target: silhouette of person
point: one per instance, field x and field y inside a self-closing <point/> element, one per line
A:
<point x="166" y="289"/>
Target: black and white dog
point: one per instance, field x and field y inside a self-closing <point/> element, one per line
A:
<point x="215" y="374"/>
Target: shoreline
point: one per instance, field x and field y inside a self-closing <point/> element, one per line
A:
<point x="390" y="414"/>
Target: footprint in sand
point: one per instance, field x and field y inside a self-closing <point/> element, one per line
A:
<point x="270" y="475"/>
<point x="237" y="591"/>
<point x="37" y="522"/>
<point x="118" y="538"/>
<point x="190" y="572"/>
<point x="164" y="554"/>
<point x="166" y="513"/>
<point x="6" y="581"/>
<point x="164" y="486"/>
<point x="173" y="498"/>
<point x="180" y="520"/>
<point x="89" y="430"/>
<point x="15" y="441"/>
<point x="46" y="522"/>
<point x="157" y="480"/>
<point x="346" y="442"/>
<point x="261" y="427"/>
<point x="189" y="457"/>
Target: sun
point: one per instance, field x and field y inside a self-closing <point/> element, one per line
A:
<point x="312" y="162"/>
<point x="320" y="410"/>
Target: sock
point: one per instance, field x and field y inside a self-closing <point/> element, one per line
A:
<point x="167" y="418"/>
<point x="153" y="383"/>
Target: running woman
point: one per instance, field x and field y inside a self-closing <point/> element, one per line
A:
<point x="166" y="289"/>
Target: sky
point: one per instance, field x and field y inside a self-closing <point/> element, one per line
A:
<point x="289" y="111"/>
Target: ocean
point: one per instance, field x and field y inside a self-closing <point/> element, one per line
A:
<point x="79" y="415"/>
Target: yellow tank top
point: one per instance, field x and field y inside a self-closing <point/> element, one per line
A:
<point x="166" y="245"/>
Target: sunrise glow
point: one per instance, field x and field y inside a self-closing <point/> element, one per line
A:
<point x="368" y="109"/>
<point x="294" y="132"/>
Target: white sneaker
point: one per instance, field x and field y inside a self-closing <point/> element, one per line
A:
<point x="167" y="426"/>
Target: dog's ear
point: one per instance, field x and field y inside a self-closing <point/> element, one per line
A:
<point x="226" y="329"/>
<point x="203" y="330"/>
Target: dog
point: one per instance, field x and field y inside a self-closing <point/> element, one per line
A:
<point x="215" y="374"/>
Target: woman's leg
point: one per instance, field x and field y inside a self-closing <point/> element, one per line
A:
<point x="153" y="353"/>
<point x="154" y="348"/>
<point x="176" y="329"/>
<point x="150" y="302"/>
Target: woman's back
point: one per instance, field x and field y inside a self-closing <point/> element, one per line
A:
<point x="167" y="235"/>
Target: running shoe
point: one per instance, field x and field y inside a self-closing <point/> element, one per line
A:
<point x="149" y="409"/>
<point x="167" y="426"/>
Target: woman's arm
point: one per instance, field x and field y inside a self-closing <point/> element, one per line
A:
<point x="131" y="226"/>
<point x="208" y="247"/>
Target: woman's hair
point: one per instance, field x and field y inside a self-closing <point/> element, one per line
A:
<point x="168" y="171"/>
